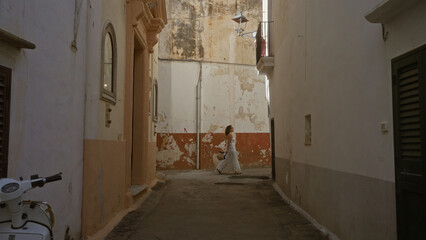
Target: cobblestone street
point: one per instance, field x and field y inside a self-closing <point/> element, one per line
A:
<point x="204" y="205"/>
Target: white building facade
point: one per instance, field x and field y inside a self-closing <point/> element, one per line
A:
<point x="66" y="82"/>
<point x="47" y="101"/>
<point x="333" y="108"/>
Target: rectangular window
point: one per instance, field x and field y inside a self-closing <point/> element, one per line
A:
<point x="308" y="133"/>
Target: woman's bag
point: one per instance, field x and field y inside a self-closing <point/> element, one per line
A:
<point x="220" y="156"/>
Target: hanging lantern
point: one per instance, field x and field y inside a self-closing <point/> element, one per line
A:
<point x="240" y="23"/>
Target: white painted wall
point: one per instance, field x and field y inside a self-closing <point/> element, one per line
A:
<point x="177" y="96"/>
<point x="103" y="12"/>
<point x="406" y="31"/>
<point x="332" y="65"/>
<point x="113" y="11"/>
<point x="47" y="107"/>
<point x="230" y="95"/>
<point x="233" y="95"/>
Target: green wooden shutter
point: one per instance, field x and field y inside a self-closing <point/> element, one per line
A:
<point x="409" y="129"/>
<point x="409" y="110"/>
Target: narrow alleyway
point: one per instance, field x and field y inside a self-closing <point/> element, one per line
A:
<point x="203" y="205"/>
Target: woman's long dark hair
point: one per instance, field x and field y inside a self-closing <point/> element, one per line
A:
<point x="228" y="129"/>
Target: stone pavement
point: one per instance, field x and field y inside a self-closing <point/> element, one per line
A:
<point x="204" y="205"/>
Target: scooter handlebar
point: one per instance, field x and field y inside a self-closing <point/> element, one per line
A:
<point x="41" y="181"/>
<point x="56" y="177"/>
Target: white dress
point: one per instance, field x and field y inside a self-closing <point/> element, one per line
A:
<point x="230" y="164"/>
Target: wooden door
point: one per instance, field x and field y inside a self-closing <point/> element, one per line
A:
<point x="5" y="75"/>
<point x="409" y="108"/>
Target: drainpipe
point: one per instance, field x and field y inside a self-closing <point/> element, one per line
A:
<point x="198" y="99"/>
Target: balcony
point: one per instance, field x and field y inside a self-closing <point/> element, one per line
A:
<point x="264" y="56"/>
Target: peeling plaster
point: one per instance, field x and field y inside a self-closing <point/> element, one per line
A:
<point x="196" y="30"/>
<point x="169" y="152"/>
<point x="263" y="153"/>
<point x="162" y="117"/>
<point x="186" y="41"/>
<point x="246" y="85"/>
<point x="219" y="70"/>
<point x="229" y="81"/>
<point x="247" y="81"/>
<point x="253" y="148"/>
<point x="190" y="149"/>
<point x="162" y="124"/>
<point x="213" y="128"/>
<point x="258" y="125"/>
<point x="207" y="138"/>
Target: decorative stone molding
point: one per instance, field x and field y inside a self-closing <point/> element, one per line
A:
<point x="152" y="20"/>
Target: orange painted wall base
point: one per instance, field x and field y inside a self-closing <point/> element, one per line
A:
<point x="178" y="150"/>
<point x="104" y="189"/>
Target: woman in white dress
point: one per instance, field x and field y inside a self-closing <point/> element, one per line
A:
<point x="230" y="164"/>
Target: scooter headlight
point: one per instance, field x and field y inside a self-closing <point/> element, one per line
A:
<point x="10" y="188"/>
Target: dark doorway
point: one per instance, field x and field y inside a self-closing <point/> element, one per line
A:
<point x="138" y="113"/>
<point x="5" y="76"/>
<point x="273" y="147"/>
<point x="409" y="113"/>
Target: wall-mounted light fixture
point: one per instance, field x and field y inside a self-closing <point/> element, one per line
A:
<point x="240" y="24"/>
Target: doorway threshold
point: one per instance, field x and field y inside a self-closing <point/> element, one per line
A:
<point x="136" y="189"/>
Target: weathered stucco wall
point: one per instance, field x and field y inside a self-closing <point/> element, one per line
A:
<point x="105" y="189"/>
<point x="200" y="44"/>
<point x="142" y="29"/>
<point x="178" y="150"/>
<point x="233" y="94"/>
<point x="112" y="12"/>
<point x="332" y="64"/>
<point x="203" y="30"/>
<point x="57" y="116"/>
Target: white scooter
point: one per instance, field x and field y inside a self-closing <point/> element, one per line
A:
<point x="25" y="220"/>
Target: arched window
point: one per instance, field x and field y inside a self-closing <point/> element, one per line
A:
<point x="109" y="65"/>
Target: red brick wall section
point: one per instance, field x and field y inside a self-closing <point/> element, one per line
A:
<point x="178" y="150"/>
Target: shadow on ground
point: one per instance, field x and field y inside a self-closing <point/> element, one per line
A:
<point x="204" y="205"/>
